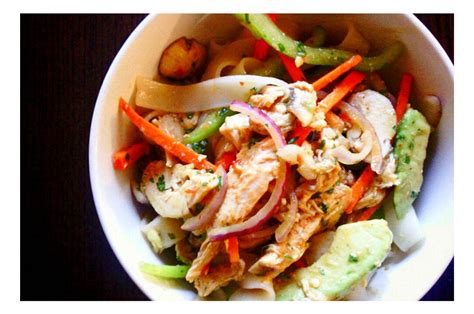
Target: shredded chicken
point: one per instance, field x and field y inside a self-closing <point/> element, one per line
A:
<point x="248" y="180"/>
<point x="279" y="256"/>
<point x="236" y="129"/>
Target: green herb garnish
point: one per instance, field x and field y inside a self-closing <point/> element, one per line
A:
<point x="161" y="183"/>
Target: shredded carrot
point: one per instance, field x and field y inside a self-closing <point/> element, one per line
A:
<point x="169" y="143"/>
<point x="232" y="245"/>
<point x="299" y="133"/>
<point x="403" y="95"/>
<point x="128" y="156"/>
<point x="360" y="187"/>
<point x="366" y="214"/>
<point x="336" y="72"/>
<point x="226" y="160"/>
<point x="295" y="73"/>
<point x="261" y="48"/>
<point x="341" y="90"/>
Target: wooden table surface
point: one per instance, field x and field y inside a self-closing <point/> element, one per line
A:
<point x="64" y="252"/>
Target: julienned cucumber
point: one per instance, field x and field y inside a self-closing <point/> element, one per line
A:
<point x="261" y="26"/>
<point x="410" y="152"/>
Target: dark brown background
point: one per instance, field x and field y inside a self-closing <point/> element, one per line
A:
<point x="64" y="252"/>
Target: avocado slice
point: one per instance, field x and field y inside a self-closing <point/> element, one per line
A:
<point x="357" y="249"/>
<point x="410" y="152"/>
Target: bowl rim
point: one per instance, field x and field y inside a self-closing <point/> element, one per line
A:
<point x="99" y="107"/>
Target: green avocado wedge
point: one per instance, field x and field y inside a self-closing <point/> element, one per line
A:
<point x="410" y="152"/>
<point x="357" y="249"/>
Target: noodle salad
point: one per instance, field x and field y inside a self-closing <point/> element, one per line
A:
<point x="277" y="165"/>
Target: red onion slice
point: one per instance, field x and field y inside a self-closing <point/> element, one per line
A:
<point x="211" y="208"/>
<point x="268" y="209"/>
<point x="376" y="161"/>
<point x="285" y="227"/>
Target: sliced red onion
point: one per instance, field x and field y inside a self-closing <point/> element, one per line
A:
<point x="376" y="162"/>
<point x="260" y="234"/>
<point x="269" y="208"/>
<point x="211" y="208"/>
<point x="285" y="227"/>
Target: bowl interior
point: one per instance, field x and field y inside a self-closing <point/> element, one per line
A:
<point x="110" y="130"/>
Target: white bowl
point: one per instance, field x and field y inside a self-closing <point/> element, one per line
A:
<point x="409" y="279"/>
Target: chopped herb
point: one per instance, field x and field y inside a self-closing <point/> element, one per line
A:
<point x="210" y="171"/>
<point x="338" y="183"/>
<point x="400" y="137"/>
<point x="407" y="159"/>
<point x="198" y="208"/>
<point x="316" y="195"/>
<point x="171" y="236"/>
<point x="300" y="51"/>
<point x="152" y="180"/>
<point x="247" y="20"/>
<point x="161" y="183"/>
<point x="312" y="136"/>
<point x="292" y="140"/>
<point x="322" y="271"/>
<point x="283" y="276"/>
<point x="253" y="90"/>
<point x="324" y="207"/>
<point x="411" y="145"/>
<point x="281" y="47"/>
<point x="288" y="257"/>
<point x="394" y="128"/>
<point x="189" y="115"/>
<point x="254" y="140"/>
<point x="330" y="191"/>
<point x="373" y="267"/>
<point x="205" y="183"/>
<point x="224" y="111"/>
<point x="203" y="236"/>
<point x="200" y="147"/>
<point x="322" y="144"/>
<point x="219" y="183"/>
<point x="353" y="258"/>
<point x="414" y="194"/>
<point x="188" y="130"/>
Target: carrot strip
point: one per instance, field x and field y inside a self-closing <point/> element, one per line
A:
<point x="295" y="73"/>
<point x="299" y="134"/>
<point x="337" y="72"/>
<point x="226" y="160"/>
<point x="261" y="48"/>
<point x="366" y="214"/>
<point x="360" y="187"/>
<point x="128" y="156"/>
<point x="169" y="143"/>
<point x="403" y="95"/>
<point x="341" y="90"/>
<point x="232" y="245"/>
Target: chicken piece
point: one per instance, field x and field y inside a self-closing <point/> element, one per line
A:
<point x="280" y="115"/>
<point x="279" y="256"/>
<point x="182" y="59"/>
<point x="248" y="180"/>
<point x="172" y="191"/>
<point x="170" y="124"/>
<point x="219" y="276"/>
<point x="372" y="197"/>
<point x="302" y="102"/>
<point x="268" y="96"/>
<point x="388" y="177"/>
<point x="309" y="166"/>
<point x="236" y="129"/>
